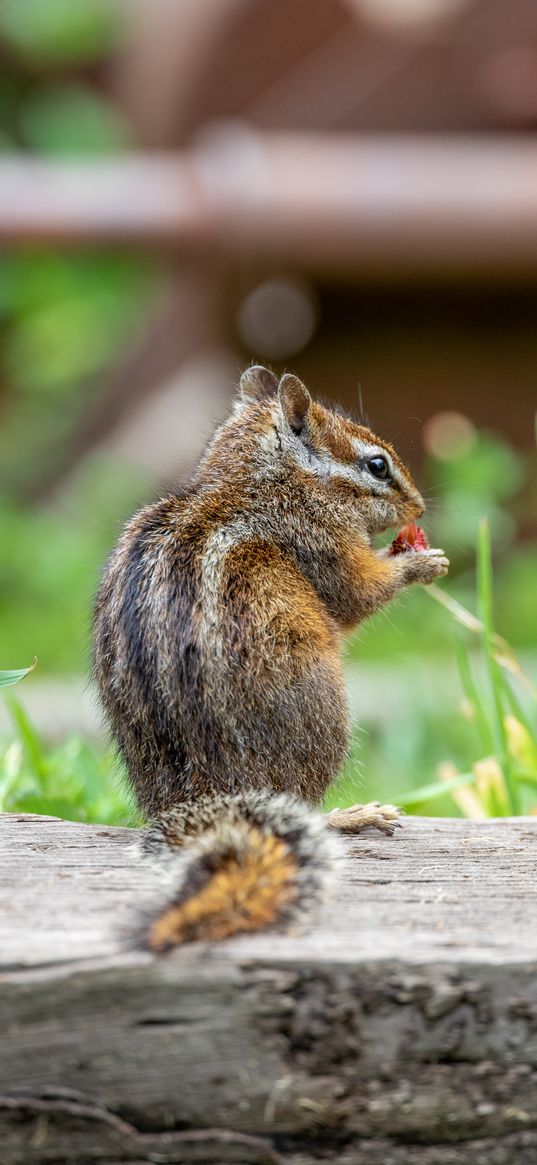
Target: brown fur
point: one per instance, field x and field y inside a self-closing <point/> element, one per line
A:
<point x="245" y="895"/>
<point x="220" y="616"/>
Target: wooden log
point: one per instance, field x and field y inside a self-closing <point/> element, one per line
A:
<point x="320" y="203"/>
<point x="399" y="1027"/>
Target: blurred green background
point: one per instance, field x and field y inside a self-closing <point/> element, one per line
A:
<point x="75" y="333"/>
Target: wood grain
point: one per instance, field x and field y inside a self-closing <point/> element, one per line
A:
<point x="400" y="1027"/>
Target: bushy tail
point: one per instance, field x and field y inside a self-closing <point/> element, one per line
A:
<point x="237" y="864"/>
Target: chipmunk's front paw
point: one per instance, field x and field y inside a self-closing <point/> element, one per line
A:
<point x="386" y="818"/>
<point x="424" y="566"/>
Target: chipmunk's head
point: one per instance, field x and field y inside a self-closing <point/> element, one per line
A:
<point x="345" y="457"/>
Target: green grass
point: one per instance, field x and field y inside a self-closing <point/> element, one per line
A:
<point x="483" y="747"/>
<point x="72" y="780"/>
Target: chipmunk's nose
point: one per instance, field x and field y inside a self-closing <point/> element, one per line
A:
<point x="420" y="506"/>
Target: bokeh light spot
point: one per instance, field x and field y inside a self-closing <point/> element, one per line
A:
<point x="448" y="435"/>
<point x="278" y="318"/>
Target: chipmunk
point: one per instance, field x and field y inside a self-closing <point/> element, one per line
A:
<point x="217" y="651"/>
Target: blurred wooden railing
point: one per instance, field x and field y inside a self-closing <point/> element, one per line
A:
<point x="388" y="205"/>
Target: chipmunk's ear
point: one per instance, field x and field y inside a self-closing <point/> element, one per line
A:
<point x="295" y="401"/>
<point x="258" y="383"/>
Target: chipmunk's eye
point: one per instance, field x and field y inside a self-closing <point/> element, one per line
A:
<point x="379" y="467"/>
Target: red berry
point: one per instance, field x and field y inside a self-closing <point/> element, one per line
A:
<point x="410" y="537"/>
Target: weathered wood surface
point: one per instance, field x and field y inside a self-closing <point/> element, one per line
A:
<point x="400" y="1029"/>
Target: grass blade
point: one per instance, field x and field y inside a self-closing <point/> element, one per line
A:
<point x="7" y="678"/>
<point x="472" y="694"/>
<point x="495" y="676"/>
<point x="29" y="738"/>
<point x="436" y="789"/>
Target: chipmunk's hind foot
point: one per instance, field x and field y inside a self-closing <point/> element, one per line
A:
<point x="386" y="818"/>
